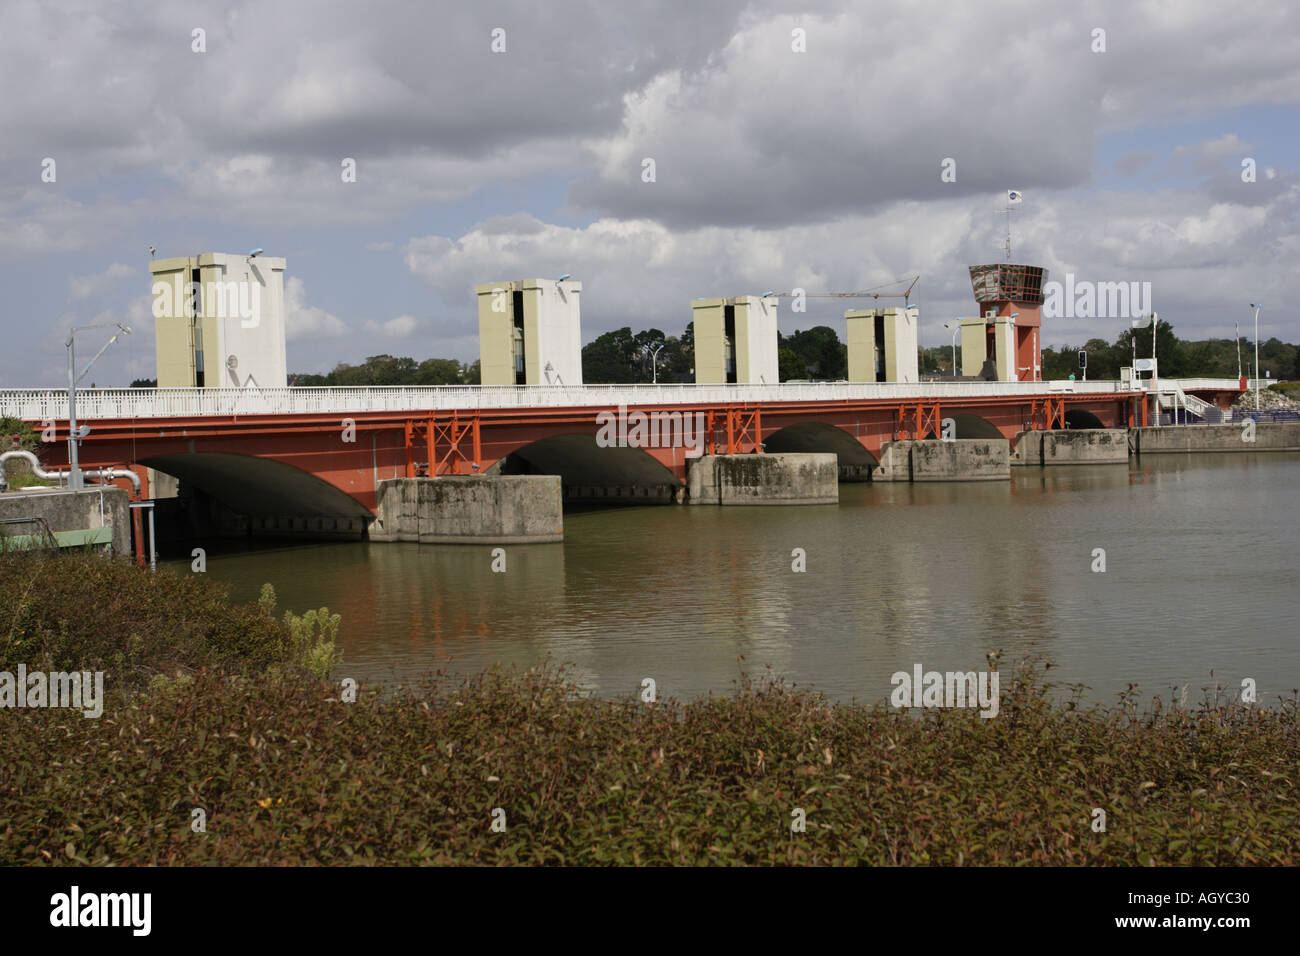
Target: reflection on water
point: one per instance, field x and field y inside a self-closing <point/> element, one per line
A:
<point x="1201" y="575"/>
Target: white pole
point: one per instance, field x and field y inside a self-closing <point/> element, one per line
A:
<point x="1256" y="357"/>
<point x="74" y="466"/>
<point x="1155" y="373"/>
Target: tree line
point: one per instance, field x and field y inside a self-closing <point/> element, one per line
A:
<point x="817" y="354"/>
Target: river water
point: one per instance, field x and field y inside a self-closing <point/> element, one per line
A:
<point x="1201" y="585"/>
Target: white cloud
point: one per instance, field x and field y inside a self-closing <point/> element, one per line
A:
<point x="398" y="328"/>
<point x="765" y="136"/>
<point x="1195" y="250"/>
<point x="303" y="321"/>
<point x="83" y="287"/>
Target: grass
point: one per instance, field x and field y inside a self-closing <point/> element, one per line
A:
<point x="15" y="434"/>
<point x="287" y="772"/>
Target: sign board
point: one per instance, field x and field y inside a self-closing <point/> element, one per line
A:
<point x="1145" y="365"/>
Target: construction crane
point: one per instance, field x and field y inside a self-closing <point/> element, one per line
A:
<point x="872" y="293"/>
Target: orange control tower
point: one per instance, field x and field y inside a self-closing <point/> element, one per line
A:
<point x="1004" y="339"/>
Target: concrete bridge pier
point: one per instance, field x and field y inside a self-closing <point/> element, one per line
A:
<point x="961" y="459"/>
<point x="1072" y="446"/>
<point x="784" y="479"/>
<point x="477" y="509"/>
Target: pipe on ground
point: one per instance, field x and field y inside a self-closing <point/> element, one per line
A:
<point x="101" y="473"/>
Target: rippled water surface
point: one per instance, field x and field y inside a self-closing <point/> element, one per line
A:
<point x="1202" y="576"/>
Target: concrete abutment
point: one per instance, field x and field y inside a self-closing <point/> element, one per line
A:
<point x="1267" y="436"/>
<point x="479" y="509"/>
<point x="1072" y="446"/>
<point x="783" y="479"/>
<point x="962" y="459"/>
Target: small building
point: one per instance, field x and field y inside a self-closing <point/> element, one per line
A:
<point x="735" y="340"/>
<point x="882" y="344"/>
<point x="530" y="332"/>
<point x="1005" y="337"/>
<point x="219" y="321"/>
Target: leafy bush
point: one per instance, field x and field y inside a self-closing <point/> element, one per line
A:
<point x="76" y="611"/>
<point x="315" y="649"/>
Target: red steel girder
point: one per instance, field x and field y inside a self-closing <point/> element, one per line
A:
<point x="919" y="419"/>
<point x="448" y="438"/>
<point x="741" y="427"/>
<point x="451" y="445"/>
<point x="1053" y="412"/>
<point x="744" y="429"/>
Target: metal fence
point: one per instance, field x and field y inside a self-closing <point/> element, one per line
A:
<point x="39" y="404"/>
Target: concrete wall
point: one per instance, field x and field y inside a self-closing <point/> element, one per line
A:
<point x="1004" y="349"/>
<point x="786" y="479"/>
<point x="495" y="333"/>
<point x="972" y="346"/>
<point x="1072" y="446"/>
<point x="479" y="509"/>
<point x="69" y="511"/>
<point x="860" y="340"/>
<point x="756" y="322"/>
<point x="240" y="316"/>
<point x="1269" y="436"/>
<point x="964" y="459"/>
<point x="901" y="361"/>
<point x="710" y="349"/>
<point x="558" y="332"/>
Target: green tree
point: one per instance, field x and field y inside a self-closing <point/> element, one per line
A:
<point x="790" y="365"/>
<point x="611" y="358"/>
<point x="820" y="350"/>
<point x="436" y="371"/>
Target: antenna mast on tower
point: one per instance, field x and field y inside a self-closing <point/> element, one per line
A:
<point x="1014" y="198"/>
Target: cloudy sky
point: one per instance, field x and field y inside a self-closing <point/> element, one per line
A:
<point x="793" y="146"/>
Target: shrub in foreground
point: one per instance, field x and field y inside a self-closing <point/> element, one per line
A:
<point x="286" y="772"/>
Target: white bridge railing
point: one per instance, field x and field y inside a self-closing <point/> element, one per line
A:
<point x="41" y="404"/>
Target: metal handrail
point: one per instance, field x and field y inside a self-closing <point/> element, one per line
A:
<point x="43" y="404"/>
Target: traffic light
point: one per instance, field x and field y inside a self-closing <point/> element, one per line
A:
<point x="1083" y="359"/>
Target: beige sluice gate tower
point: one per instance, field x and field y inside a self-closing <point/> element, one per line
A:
<point x="882" y="344"/>
<point x="735" y="341"/>
<point x="219" y="321"/>
<point x="530" y="332"/>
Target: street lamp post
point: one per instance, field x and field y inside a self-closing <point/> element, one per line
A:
<point x="75" y="481"/>
<point x="654" y="365"/>
<point x="956" y="327"/>
<point x="1256" y="307"/>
